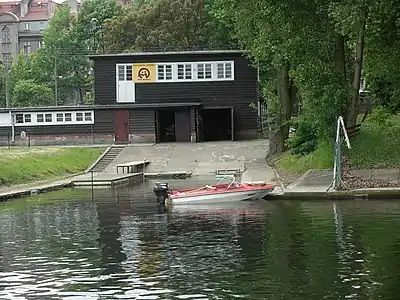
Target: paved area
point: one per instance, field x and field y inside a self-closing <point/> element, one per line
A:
<point x="200" y="158"/>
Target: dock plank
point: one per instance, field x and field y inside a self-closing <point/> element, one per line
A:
<point x="106" y="179"/>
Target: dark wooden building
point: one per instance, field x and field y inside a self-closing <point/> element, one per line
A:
<point x="153" y="97"/>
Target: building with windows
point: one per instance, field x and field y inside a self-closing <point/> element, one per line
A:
<point x="159" y="97"/>
<point x="22" y="23"/>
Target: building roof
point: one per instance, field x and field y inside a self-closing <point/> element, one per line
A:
<point x="98" y="107"/>
<point x="38" y="10"/>
<point x="98" y="56"/>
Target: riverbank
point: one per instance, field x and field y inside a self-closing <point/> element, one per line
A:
<point x="374" y="149"/>
<point x="31" y="165"/>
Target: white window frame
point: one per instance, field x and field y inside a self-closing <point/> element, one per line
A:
<point x="54" y="120"/>
<point x="27" y="26"/>
<point x="42" y="25"/>
<point x="166" y="69"/>
<point x="161" y="67"/>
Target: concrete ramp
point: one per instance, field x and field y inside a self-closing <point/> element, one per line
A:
<point x="197" y="158"/>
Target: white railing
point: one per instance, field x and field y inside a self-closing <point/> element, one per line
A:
<point x="337" y="167"/>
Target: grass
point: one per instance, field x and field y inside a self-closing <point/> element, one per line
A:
<point x="377" y="146"/>
<point x="23" y="165"/>
<point x="321" y="158"/>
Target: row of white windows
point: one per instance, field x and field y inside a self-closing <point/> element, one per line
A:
<point x="172" y="72"/>
<point x="54" y="118"/>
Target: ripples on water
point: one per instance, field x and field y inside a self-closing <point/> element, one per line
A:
<point x="120" y="247"/>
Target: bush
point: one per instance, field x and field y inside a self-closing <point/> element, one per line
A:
<point x="304" y="140"/>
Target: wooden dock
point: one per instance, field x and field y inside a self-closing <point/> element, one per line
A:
<point x="106" y="180"/>
<point x="169" y="175"/>
<point x="132" y="167"/>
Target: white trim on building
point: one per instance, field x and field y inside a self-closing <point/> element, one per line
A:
<point x="46" y="118"/>
<point x="195" y="71"/>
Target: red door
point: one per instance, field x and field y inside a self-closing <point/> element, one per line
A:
<point x="121" y="120"/>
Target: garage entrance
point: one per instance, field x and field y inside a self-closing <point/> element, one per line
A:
<point x="215" y="124"/>
<point x="172" y="125"/>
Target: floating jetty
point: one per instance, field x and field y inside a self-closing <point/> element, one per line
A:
<point x="92" y="179"/>
<point x="169" y="175"/>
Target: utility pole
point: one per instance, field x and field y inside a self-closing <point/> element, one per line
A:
<point x="7" y="77"/>
<point x="55" y="81"/>
<point x="7" y="89"/>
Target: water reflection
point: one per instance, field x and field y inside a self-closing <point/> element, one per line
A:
<point x="119" y="246"/>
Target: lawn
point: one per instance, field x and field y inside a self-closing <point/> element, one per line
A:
<point x="20" y="165"/>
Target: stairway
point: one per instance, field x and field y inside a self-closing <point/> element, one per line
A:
<point x="103" y="163"/>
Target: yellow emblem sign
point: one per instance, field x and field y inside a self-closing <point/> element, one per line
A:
<point x="144" y="73"/>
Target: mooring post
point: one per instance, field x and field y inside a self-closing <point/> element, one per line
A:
<point x="91" y="172"/>
<point x="144" y="166"/>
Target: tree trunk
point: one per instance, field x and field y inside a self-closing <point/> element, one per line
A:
<point x="279" y="127"/>
<point x="340" y="65"/>
<point x="352" y="111"/>
<point x="285" y="99"/>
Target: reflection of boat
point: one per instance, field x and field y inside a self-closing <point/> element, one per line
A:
<point x="218" y="193"/>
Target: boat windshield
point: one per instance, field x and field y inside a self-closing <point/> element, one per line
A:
<point x="232" y="179"/>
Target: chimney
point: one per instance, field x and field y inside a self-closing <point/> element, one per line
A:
<point x="24" y="8"/>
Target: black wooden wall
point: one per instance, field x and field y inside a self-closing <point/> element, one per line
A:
<point x="239" y="93"/>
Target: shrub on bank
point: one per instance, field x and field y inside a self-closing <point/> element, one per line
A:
<point x="377" y="146"/>
<point x="21" y="165"/>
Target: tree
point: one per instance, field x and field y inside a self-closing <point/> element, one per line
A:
<point x="164" y="25"/>
<point x="28" y="93"/>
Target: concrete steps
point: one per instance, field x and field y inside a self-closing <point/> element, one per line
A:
<point x="107" y="159"/>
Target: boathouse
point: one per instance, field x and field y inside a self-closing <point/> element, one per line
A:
<point x="191" y="96"/>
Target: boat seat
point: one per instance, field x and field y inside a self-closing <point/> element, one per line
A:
<point x="256" y="182"/>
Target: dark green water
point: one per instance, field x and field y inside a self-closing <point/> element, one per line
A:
<point x="64" y="245"/>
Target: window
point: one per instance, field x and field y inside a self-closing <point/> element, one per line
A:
<point x="164" y="72"/>
<point x="39" y="118"/>
<point x="60" y="117"/>
<point x="42" y="25"/>
<point x="40" y="44"/>
<point x="88" y="116"/>
<point x="27" y="118"/>
<point x="79" y="117"/>
<point x="27" y="26"/>
<point x="48" y="118"/>
<point x="204" y="71"/>
<point x="224" y="70"/>
<point x="184" y="71"/>
<point x="68" y="117"/>
<point x="19" y="118"/>
<point x="27" y="48"/>
<point x="128" y="73"/>
<point x="121" y="73"/>
<point x="7" y="60"/>
<point x="5" y="35"/>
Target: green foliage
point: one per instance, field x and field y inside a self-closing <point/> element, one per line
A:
<point x="304" y="140"/>
<point x="165" y="25"/>
<point x="321" y="158"/>
<point x="24" y="166"/>
<point x="27" y="93"/>
<point x="381" y="117"/>
<point x="377" y="145"/>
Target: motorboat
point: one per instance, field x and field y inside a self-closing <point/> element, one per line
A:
<point x="218" y="193"/>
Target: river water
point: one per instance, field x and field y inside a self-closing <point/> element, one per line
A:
<point x="117" y="245"/>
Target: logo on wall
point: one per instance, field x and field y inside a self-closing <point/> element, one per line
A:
<point x="144" y="73"/>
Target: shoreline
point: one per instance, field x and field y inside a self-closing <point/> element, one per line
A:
<point x="310" y="193"/>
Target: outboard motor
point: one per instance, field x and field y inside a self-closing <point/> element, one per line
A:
<point x="161" y="192"/>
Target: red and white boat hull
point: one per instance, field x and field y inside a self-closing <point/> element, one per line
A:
<point x="220" y="194"/>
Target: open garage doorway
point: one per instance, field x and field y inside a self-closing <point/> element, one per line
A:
<point x="165" y="126"/>
<point x="173" y="125"/>
<point x="215" y="124"/>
